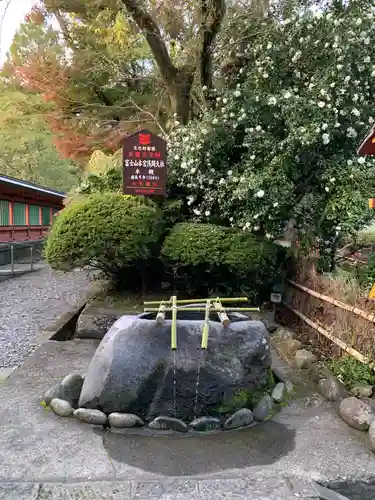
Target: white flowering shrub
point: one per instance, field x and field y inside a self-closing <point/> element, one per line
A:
<point x="277" y="140"/>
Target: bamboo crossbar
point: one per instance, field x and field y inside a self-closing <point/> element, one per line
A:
<point x="197" y="301"/>
<point x="203" y="309"/>
<point x="355" y="354"/>
<point x="334" y="302"/>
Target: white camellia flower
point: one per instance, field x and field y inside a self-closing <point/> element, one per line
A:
<point x="361" y="160"/>
<point x="207" y="213"/>
<point x="258" y="128"/>
<point x="196" y="211"/>
<point x="325" y="138"/>
<point x="225" y="100"/>
<point x="204" y="88"/>
<point x="229" y="173"/>
<point x="260" y="193"/>
<point x="371" y="120"/>
<point x="332" y="179"/>
<point x="337" y="125"/>
<point x="324" y="126"/>
<point x="272" y="101"/>
<point x="237" y="93"/>
<point x="351" y="132"/>
<point x="327" y="189"/>
<point x="350" y="162"/>
<point x="265" y="75"/>
<point x="247" y="225"/>
<point x="256" y="228"/>
<point x="356" y="112"/>
<point x="215" y="121"/>
<point x="287" y="95"/>
<point x="321" y="104"/>
<point x="276" y="204"/>
<point x="358" y="21"/>
<point x="222" y="181"/>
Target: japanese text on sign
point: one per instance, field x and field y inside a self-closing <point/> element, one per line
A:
<point x="144" y="164"/>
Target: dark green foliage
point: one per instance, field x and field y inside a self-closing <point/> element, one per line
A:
<point x="352" y="372"/>
<point x="205" y="258"/>
<point x="247" y="399"/>
<point x="108" y="231"/>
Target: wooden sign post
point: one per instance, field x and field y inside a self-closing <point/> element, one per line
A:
<point x="144" y="164"/>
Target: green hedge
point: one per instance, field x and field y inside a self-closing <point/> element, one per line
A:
<point x="205" y="258"/>
<point x="106" y="231"/>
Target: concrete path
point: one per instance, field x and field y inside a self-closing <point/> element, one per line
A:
<point x="45" y="457"/>
<point x="29" y="303"/>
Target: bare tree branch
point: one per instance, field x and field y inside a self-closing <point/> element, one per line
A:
<point x="148" y="26"/>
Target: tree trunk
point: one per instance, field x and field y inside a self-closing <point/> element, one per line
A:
<point x="181" y="95"/>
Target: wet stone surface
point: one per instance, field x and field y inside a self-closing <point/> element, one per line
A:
<point x="205" y="424"/>
<point x="95" y="417"/>
<point x="168" y="423"/>
<point x="61" y="408"/>
<point x="124" y="420"/>
<point x="264" y="408"/>
<point x="240" y="418"/>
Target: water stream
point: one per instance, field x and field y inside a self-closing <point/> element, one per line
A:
<point x="197" y="384"/>
<point x="174" y="383"/>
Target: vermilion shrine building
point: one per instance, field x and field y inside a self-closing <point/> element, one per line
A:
<point x="26" y="209"/>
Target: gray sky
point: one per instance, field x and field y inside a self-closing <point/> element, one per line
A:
<point x="14" y="16"/>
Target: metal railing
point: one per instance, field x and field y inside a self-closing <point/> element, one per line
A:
<point x="20" y="257"/>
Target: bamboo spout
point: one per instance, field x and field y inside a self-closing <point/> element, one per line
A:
<point x="206" y="326"/>
<point x="224" y="320"/>
<point x="160" y="317"/>
<point x="174" y="323"/>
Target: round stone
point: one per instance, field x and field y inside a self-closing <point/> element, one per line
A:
<point x="305" y="358"/>
<point x="356" y="413"/>
<point x="72" y="385"/>
<point x="124" y="420"/>
<point x="371" y="436"/>
<point x="205" y="424"/>
<point x="264" y="408"/>
<point x="95" y="417"/>
<point x="278" y="392"/>
<point x="61" y="407"/>
<point x="168" y="423"/>
<point x="56" y="392"/>
<point x="362" y="391"/>
<point x="240" y="418"/>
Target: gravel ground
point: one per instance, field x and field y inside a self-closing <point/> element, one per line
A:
<point x="29" y="303"/>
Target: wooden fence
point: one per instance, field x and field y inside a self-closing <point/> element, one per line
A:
<point x="346" y="326"/>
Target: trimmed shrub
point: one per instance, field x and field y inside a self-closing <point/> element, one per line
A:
<point x="207" y="259"/>
<point x="106" y="231"/>
<point x="195" y="244"/>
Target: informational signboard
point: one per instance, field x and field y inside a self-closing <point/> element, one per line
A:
<point x="144" y="164"/>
